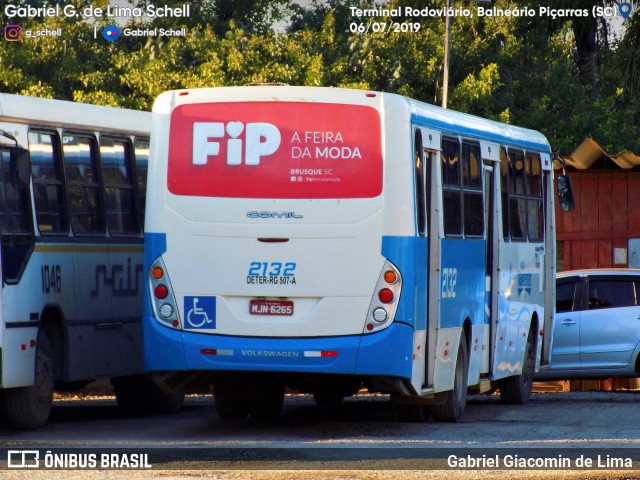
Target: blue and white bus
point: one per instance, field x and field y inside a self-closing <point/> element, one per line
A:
<point x="333" y="240"/>
<point x="72" y="188"/>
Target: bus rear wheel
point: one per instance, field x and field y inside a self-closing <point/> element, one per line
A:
<point x="231" y="409"/>
<point x="414" y="413"/>
<point x="257" y="396"/>
<point x="455" y="404"/>
<point x="29" y="407"/>
<point x="516" y="390"/>
<point x="228" y="405"/>
<point x="138" y="394"/>
<point x="268" y="403"/>
<point x="328" y="398"/>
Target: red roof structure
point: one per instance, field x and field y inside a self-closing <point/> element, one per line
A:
<point x="604" y="229"/>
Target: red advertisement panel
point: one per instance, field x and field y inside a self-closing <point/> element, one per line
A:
<point x="275" y="150"/>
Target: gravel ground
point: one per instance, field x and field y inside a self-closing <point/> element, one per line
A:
<point x="573" y="420"/>
<point x="326" y="474"/>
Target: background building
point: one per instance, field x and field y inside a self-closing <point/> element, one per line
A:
<point x="604" y="229"/>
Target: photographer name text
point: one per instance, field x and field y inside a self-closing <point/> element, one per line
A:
<point x="110" y="11"/>
<point x="545" y="463"/>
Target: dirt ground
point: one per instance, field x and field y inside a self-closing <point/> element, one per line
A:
<point x="325" y="474"/>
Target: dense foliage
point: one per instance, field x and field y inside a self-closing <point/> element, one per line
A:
<point x="567" y="77"/>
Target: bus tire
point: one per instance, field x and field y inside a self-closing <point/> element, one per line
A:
<point x="228" y="405"/>
<point x="268" y="404"/>
<point x="138" y="395"/>
<point x="452" y="410"/>
<point x="230" y="409"/>
<point x="29" y="407"/>
<point x="516" y="390"/>
<point x="328" y="398"/>
<point x="414" y="413"/>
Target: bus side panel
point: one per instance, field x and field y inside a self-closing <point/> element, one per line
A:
<point x="19" y="357"/>
<point x="478" y="352"/>
<point x="22" y="309"/>
<point x="445" y="358"/>
<point x="163" y="347"/>
<point x="513" y="323"/>
<point x="409" y="255"/>
<point x="90" y="269"/>
<point x="462" y="297"/>
<point x="462" y="282"/>
<point x="155" y="337"/>
<point x="126" y="297"/>
<point x="388" y="352"/>
<point x="520" y="297"/>
<point x="104" y="326"/>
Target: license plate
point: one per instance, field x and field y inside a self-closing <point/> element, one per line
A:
<point x="271" y="307"/>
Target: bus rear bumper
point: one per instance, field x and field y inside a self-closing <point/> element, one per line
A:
<point x="386" y="353"/>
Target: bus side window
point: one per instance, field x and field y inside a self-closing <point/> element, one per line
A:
<point x="517" y="204"/>
<point x="421" y="210"/>
<point x="48" y="182"/>
<point x="522" y="211"/>
<point x="504" y="190"/>
<point x="535" y="211"/>
<point x="119" y="188"/>
<point x="451" y="187"/>
<point x="141" y="148"/>
<point x="83" y="184"/>
<point x="14" y="200"/>
<point x="462" y="197"/>
<point x="473" y="200"/>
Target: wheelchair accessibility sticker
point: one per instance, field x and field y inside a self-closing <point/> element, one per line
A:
<point x="201" y="312"/>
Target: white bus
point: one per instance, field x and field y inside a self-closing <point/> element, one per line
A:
<point x="72" y="188"/>
<point x="330" y="240"/>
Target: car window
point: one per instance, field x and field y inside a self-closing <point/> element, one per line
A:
<point x="611" y="294"/>
<point x="565" y="294"/>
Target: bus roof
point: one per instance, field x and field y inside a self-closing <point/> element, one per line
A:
<point x="424" y="114"/>
<point x="457" y="123"/>
<point x="60" y="113"/>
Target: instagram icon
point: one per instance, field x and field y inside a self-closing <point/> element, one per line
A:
<point x="13" y="33"/>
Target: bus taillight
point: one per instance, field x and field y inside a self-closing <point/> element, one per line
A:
<point x="162" y="299"/>
<point x="390" y="277"/>
<point x="385" y="295"/>
<point x="157" y="273"/>
<point x="385" y="302"/>
<point x="380" y="315"/>
<point x="161" y="291"/>
<point x="166" y="310"/>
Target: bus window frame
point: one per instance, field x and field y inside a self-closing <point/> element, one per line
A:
<point x="98" y="184"/>
<point x="61" y="181"/>
<point x="141" y="183"/>
<point x="462" y="190"/>
<point x="527" y="196"/>
<point x="130" y="165"/>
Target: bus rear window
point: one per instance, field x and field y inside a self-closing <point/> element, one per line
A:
<point x="275" y="150"/>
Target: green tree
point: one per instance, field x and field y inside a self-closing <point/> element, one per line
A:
<point x="629" y="55"/>
<point x="515" y="69"/>
<point x="586" y="31"/>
